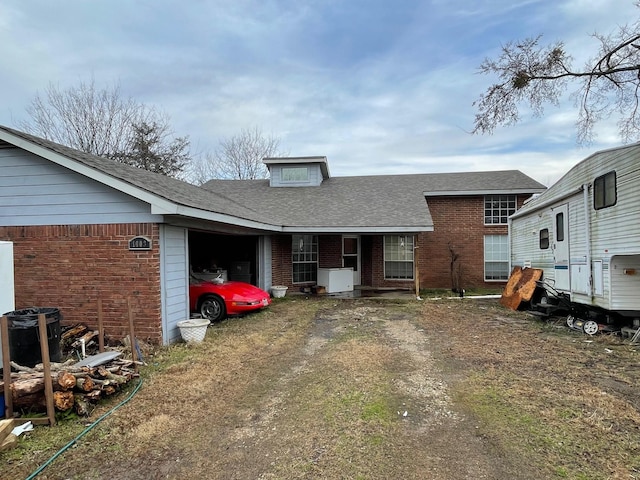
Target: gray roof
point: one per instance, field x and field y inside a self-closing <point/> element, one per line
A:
<point x="168" y="188"/>
<point x="382" y="203"/>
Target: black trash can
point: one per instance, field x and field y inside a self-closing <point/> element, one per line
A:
<point x="24" y="335"/>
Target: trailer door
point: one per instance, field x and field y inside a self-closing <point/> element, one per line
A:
<point x="561" y="247"/>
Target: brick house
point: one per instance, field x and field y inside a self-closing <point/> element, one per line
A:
<point x="75" y="219"/>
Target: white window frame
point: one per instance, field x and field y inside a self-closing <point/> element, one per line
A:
<point x="501" y="256"/>
<point x="498" y="208"/>
<point x="294" y="174"/>
<point x="304" y="251"/>
<point x="399" y="249"/>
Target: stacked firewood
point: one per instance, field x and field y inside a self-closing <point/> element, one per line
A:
<point x="75" y="387"/>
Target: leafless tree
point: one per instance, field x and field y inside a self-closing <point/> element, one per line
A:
<point x="529" y="72"/>
<point x="101" y="122"/>
<point x="152" y="149"/>
<point x="238" y="157"/>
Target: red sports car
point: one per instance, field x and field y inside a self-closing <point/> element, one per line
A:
<point x="215" y="300"/>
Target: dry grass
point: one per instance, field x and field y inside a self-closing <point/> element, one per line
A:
<point x="565" y="401"/>
<point x="366" y="389"/>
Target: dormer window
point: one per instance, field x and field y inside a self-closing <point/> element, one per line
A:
<point x="297" y="171"/>
<point x="295" y="174"/>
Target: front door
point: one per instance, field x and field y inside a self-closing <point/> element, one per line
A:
<point x="561" y="248"/>
<point x="351" y="255"/>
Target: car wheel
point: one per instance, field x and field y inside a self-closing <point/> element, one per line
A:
<point x="590" y="327"/>
<point x="212" y="308"/>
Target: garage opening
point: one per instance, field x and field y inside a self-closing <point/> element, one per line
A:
<point x="235" y="257"/>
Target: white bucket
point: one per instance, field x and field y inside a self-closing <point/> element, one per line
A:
<point x="279" y="291"/>
<point x="194" y="329"/>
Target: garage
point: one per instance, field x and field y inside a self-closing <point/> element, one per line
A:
<point x="234" y="257"/>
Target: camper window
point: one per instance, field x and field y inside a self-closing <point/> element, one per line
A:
<point x="560" y="227"/>
<point x="544" y="238"/>
<point x="604" y="191"/>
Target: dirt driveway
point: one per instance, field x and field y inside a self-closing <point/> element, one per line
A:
<point x="371" y="389"/>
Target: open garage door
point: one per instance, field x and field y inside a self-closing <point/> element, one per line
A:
<point x="235" y="257"/>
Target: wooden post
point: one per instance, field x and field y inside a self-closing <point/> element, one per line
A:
<point x="100" y="327"/>
<point x="132" y="337"/>
<point x="6" y="367"/>
<point x="46" y="368"/>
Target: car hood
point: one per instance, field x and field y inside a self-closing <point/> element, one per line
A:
<point x="238" y="288"/>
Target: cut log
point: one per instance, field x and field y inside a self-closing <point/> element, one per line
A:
<point x="66" y="380"/>
<point x="109" y="389"/>
<point x="520" y="287"/>
<point x="108" y="375"/>
<point x="85" y="384"/>
<point x="87" y="337"/>
<point x="11" y="441"/>
<point x="81" y="406"/>
<point x="75" y="331"/>
<point x="63" y="401"/>
<point x="34" y="402"/>
<point x="93" y="395"/>
<point x="6" y="426"/>
<point x="27" y="386"/>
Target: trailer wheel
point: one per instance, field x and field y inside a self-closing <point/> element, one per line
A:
<point x="590" y="327"/>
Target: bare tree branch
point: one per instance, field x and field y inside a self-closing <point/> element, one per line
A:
<point x="536" y="75"/>
<point x="237" y="157"/>
<point x="103" y="123"/>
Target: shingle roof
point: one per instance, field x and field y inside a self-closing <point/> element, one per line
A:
<point x="365" y="203"/>
<point x="168" y="188"/>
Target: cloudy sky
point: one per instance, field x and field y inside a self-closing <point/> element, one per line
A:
<point x="377" y="86"/>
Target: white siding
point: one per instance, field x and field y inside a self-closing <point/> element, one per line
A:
<point x="525" y="243"/>
<point x="610" y="237"/>
<point x="174" y="276"/>
<point x="625" y="282"/>
<point x="34" y="191"/>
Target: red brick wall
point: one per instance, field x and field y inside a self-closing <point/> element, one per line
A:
<point x="459" y="231"/>
<point x="329" y="246"/>
<point x="281" y="260"/>
<point x="72" y="266"/>
<point x="330" y="251"/>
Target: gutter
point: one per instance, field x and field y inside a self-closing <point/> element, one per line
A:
<point x="524" y="211"/>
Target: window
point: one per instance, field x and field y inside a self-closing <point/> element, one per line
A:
<point x="398" y="257"/>
<point x="497" y="208"/>
<point x="560" y="227"/>
<point x="604" y="191"/>
<point x="544" y="238"/>
<point x="304" y="258"/>
<point x="496" y="257"/>
<point x="295" y="174"/>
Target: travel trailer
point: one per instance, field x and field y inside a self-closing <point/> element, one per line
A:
<point x="584" y="234"/>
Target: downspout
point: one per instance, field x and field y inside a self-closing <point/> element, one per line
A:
<point x="587" y="232"/>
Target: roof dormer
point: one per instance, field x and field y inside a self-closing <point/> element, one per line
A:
<point x="297" y="171"/>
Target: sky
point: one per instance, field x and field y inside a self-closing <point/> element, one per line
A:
<point x="377" y="86"/>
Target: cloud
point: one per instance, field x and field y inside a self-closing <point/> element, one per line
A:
<point x="379" y="87"/>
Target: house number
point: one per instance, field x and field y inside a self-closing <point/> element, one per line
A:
<point x="140" y="243"/>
